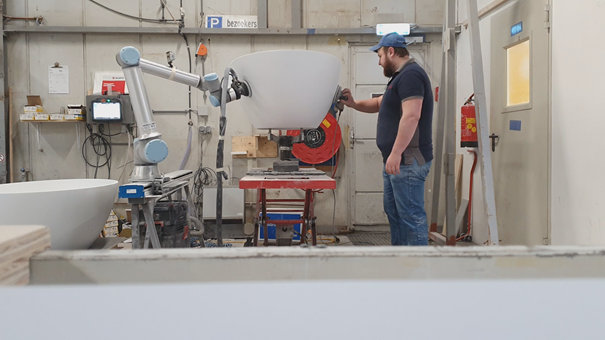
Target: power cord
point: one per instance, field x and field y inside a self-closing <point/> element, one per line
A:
<point x="102" y="149"/>
<point x="157" y="21"/>
<point x="102" y="131"/>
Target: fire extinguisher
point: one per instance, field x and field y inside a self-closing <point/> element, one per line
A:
<point x="468" y="124"/>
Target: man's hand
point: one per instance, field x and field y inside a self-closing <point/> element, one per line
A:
<point x="393" y="164"/>
<point x="350" y="102"/>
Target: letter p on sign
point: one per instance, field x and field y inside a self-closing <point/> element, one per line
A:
<point x="214" y="22"/>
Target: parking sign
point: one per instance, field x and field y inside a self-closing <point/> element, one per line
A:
<point x="214" y="22"/>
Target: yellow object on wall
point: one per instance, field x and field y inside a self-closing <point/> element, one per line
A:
<point x="518" y="74"/>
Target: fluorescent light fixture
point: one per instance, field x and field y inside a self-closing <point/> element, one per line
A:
<point x="402" y="29"/>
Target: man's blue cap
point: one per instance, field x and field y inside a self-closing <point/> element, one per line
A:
<point x="390" y="40"/>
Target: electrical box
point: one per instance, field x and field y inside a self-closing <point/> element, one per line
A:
<point x="103" y="109"/>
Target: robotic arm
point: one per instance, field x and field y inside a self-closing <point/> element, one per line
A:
<point x="149" y="148"/>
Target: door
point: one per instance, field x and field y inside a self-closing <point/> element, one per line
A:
<point x="365" y="160"/>
<point x="520" y="121"/>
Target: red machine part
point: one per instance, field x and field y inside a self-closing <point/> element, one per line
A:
<point x="320" y="144"/>
<point x="468" y="130"/>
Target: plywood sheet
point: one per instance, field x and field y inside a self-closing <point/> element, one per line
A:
<point x="254" y="147"/>
<point x="14" y="268"/>
<point x="17" y="245"/>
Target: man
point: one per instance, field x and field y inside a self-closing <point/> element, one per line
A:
<point x="404" y="136"/>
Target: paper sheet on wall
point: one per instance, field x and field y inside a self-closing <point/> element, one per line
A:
<point x="58" y="79"/>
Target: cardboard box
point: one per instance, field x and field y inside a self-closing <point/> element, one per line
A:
<point x="111" y="229"/>
<point x="57" y="117"/>
<point x="34" y="105"/>
<point x="42" y="116"/>
<point x="76" y="110"/>
<point x="110" y="233"/>
<point x="69" y="117"/>
<point x="33" y="109"/>
<point x="28" y="117"/>
<point x="111" y="224"/>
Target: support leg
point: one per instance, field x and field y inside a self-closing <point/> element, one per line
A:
<point x="313" y="232"/>
<point x="263" y="194"/>
<point x="150" y="233"/>
<point x="256" y="230"/>
<point x="134" y="213"/>
<point x="307" y="215"/>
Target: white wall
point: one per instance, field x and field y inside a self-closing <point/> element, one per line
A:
<point x="577" y="123"/>
<point x="58" y="155"/>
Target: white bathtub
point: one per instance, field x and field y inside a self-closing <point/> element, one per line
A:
<point x="74" y="210"/>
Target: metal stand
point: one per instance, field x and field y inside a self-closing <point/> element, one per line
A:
<point x="315" y="180"/>
<point x="172" y="189"/>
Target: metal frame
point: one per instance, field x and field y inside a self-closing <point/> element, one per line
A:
<point x="208" y="31"/>
<point x="297" y="11"/>
<point x="179" y="187"/>
<point x="5" y="166"/>
<point x="308" y="183"/>
<point x="262" y="13"/>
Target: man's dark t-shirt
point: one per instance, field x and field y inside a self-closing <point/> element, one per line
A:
<point x="410" y="83"/>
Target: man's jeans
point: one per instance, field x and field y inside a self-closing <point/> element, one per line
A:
<point x="404" y="205"/>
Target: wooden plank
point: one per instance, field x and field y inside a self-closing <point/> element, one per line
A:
<point x="10" y="235"/>
<point x="253" y="146"/>
<point x="487" y="10"/>
<point x="459" y="164"/>
<point x="19" y="279"/>
<point x="17" y="242"/>
<point x="266" y="148"/>
<point x="458" y="185"/>
<point x="17" y="245"/>
<point x="14" y="268"/>
<point x="10" y="135"/>
<point x="244" y="144"/>
<point x="25" y="250"/>
<point x="437" y="238"/>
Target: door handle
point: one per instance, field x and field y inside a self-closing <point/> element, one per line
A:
<point x="494" y="138"/>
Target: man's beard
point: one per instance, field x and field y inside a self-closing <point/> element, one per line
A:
<point x="388" y="68"/>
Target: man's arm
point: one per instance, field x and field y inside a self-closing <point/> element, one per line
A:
<point x="411" y="110"/>
<point x="366" y="106"/>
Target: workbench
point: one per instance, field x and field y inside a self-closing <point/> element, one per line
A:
<point x="308" y="180"/>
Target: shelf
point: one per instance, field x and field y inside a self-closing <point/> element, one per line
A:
<point x="52" y="121"/>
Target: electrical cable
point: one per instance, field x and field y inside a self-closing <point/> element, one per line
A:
<point x="157" y="21"/>
<point x="102" y="131"/>
<point x="101" y="148"/>
<point x="203" y="177"/>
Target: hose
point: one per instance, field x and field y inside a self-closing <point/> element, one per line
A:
<point x="220" y="173"/>
<point x="188" y="151"/>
